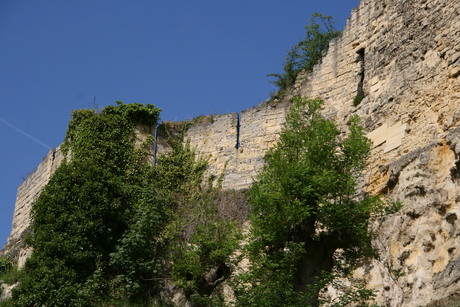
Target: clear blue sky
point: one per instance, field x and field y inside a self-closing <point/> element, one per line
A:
<point x="187" y="57"/>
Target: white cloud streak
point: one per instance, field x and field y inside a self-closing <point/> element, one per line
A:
<point x="25" y="133"/>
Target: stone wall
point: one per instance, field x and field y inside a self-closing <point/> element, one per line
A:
<point x="27" y="193"/>
<point x="235" y="144"/>
<point x="419" y="248"/>
<point x="405" y="58"/>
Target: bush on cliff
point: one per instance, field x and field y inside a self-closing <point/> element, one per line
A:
<point x="308" y="52"/>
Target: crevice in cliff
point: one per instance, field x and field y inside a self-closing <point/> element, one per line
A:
<point x="360" y="59"/>
<point x="238" y="126"/>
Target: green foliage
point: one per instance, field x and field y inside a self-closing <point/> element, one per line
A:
<point x="269" y="280"/>
<point x="179" y="171"/>
<point x="205" y="240"/>
<point x="9" y="274"/>
<point x="78" y="116"/>
<point x="107" y="224"/>
<point x="86" y="208"/>
<point x="357" y="100"/>
<point x="305" y="206"/>
<point x="135" y="112"/>
<point x="137" y="264"/>
<point x="5" y="264"/>
<point x="111" y="230"/>
<point x="308" y="52"/>
<point x="204" y="232"/>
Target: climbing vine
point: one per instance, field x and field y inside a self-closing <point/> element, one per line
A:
<point x="109" y="228"/>
<point x="87" y="207"/>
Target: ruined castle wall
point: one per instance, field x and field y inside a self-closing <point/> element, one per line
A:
<point x="27" y="193"/>
<point x="404" y="58"/>
<point x="235" y="144"/>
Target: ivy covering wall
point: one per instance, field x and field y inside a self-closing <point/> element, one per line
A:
<point x="111" y="229"/>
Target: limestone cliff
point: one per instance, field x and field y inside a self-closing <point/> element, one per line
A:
<point x="404" y="58"/>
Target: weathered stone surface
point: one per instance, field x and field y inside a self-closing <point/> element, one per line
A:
<point x="28" y="192"/>
<point x="418" y="245"/>
<point x="5" y="291"/>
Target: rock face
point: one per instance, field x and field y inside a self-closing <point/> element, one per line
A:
<point x="403" y="57"/>
<point x="419" y="256"/>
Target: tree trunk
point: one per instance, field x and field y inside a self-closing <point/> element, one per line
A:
<point x="317" y="259"/>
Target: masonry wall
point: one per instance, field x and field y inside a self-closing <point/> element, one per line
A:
<point x="235" y="144"/>
<point x="27" y="193"/>
<point x="406" y="55"/>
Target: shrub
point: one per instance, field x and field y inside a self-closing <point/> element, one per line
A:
<point x="308" y="52"/>
<point x="357" y="100"/>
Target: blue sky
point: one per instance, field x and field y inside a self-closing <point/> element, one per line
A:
<point x="187" y="57"/>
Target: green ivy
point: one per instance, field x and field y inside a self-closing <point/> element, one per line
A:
<point x="136" y="113"/>
<point x="87" y="207"/>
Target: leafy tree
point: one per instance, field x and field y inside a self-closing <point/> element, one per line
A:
<point x="307" y="215"/>
<point x="308" y="52"/>
<point x="137" y="266"/>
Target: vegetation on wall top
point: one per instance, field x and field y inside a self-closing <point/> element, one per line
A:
<point x="306" y="53"/>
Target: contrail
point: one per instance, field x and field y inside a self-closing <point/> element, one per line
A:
<point x="25" y="133"/>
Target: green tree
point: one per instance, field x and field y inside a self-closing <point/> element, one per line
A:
<point x="308" y="217"/>
<point x="83" y="212"/>
<point x="308" y="52"/>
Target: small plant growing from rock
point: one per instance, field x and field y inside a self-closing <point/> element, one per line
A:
<point x="357" y="100"/>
